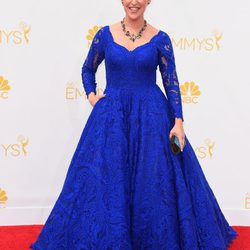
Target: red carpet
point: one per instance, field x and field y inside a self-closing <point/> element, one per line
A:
<point x="20" y="237"/>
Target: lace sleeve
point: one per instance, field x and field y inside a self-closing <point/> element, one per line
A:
<point x="170" y="81"/>
<point x="94" y="57"/>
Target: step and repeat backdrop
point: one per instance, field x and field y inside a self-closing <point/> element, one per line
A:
<point x="44" y="108"/>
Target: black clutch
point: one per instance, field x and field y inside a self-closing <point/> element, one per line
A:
<point x="175" y="144"/>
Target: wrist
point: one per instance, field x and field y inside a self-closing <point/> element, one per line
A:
<point x="91" y="94"/>
<point x="178" y="121"/>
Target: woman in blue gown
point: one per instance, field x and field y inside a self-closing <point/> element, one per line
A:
<point x="125" y="189"/>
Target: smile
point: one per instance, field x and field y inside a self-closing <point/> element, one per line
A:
<point x="134" y="9"/>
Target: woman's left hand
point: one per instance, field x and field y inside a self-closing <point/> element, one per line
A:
<point x="178" y="130"/>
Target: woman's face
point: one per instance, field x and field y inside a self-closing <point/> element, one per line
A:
<point x="135" y="8"/>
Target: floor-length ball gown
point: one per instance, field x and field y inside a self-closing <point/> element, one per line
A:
<point x="124" y="188"/>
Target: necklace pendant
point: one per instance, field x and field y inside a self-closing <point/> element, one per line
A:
<point x="133" y="37"/>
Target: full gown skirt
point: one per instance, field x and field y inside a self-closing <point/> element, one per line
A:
<point x="124" y="188"/>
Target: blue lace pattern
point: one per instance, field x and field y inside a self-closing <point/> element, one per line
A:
<point x="124" y="188"/>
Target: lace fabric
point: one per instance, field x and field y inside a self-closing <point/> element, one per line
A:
<point x="93" y="59"/>
<point x="170" y="80"/>
<point x="125" y="189"/>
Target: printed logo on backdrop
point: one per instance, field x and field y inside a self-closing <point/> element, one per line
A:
<point x="4" y="88"/>
<point x="74" y="89"/>
<point x="91" y="34"/>
<point x="15" y="149"/>
<point x="18" y="35"/>
<point x="190" y="92"/>
<point x="3" y="198"/>
<point x="209" y="43"/>
<point x="205" y="150"/>
<point x="247" y="201"/>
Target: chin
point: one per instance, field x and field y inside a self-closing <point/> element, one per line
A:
<point x="133" y="16"/>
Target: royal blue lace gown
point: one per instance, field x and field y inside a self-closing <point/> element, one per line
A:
<point x="125" y="189"/>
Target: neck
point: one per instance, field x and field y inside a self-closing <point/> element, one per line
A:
<point x="134" y="24"/>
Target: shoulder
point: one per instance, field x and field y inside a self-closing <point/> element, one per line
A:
<point x="160" y="34"/>
<point x="99" y="36"/>
<point x="164" y="42"/>
<point x="101" y="31"/>
<point x="163" y="37"/>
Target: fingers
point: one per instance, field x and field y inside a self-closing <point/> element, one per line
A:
<point x="98" y="98"/>
<point x="182" y="143"/>
<point x="170" y="135"/>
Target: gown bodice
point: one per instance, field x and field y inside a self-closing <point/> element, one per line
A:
<point x="134" y="69"/>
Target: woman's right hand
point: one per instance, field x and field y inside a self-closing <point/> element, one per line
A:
<point x="93" y="99"/>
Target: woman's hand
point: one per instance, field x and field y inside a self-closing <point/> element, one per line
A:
<point x="178" y="130"/>
<point x="93" y="99"/>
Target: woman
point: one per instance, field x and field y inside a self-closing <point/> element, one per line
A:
<point x="125" y="188"/>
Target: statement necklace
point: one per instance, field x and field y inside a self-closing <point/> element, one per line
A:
<point x="133" y="37"/>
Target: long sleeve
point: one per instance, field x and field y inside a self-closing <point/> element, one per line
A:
<point x="166" y="62"/>
<point x="94" y="57"/>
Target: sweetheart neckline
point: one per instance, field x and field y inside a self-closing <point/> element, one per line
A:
<point x="139" y="46"/>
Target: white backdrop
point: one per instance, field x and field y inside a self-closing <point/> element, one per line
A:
<point x="44" y="108"/>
